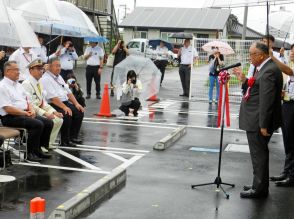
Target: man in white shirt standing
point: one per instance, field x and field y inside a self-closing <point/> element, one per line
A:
<point x="61" y="98"/>
<point x="186" y="54"/>
<point x="94" y="56"/>
<point x="17" y="111"/>
<point x="23" y="56"/>
<point x="35" y="90"/>
<point x="67" y="55"/>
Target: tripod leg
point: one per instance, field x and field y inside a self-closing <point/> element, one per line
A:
<point x="204" y="184"/>
<point x="228" y="184"/>
<point x="226" y="194"/>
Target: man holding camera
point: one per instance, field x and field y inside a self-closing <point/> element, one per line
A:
<point x="67" y="55"/>
<point x="94" y="55"/>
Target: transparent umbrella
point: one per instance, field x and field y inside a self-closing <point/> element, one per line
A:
<point x="14" y="29"/>
<point x="146" y="71"/>
<point x="35" y="10"/>
<point x="74" y="22"/>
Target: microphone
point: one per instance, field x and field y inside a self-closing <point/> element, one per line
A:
<point x="230" y="66"/>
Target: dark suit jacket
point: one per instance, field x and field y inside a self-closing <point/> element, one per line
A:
<point x="263" y="108"/>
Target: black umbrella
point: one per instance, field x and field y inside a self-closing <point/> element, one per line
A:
<point x="181" y="35"/>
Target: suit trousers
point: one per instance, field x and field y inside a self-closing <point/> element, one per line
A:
<point x="258" y="145"/>
<point x="185" y="75"/>
<point x="39" y="129"/>
<point x="56" y="127"/>
<point x="92" y="72"/>
<point x="288" y="136"/>
<point x="71" y="124"/>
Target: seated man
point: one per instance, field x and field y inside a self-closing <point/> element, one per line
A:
<point x="17" y="111"/>
<point x="61" y="98"/>
<point x="35" y="90"/>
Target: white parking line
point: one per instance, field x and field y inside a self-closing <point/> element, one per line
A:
<point x="135" y="125"/>
<point x="62" y="168"/>
<point x="78" y="160"/>
<point x="115" y="156"/>
<point x="112" y="149"/>
<point x="99" y="150"/>
<point x="130" y="161"/>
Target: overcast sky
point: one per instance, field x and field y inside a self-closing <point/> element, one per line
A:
<point x="256" y="15"/>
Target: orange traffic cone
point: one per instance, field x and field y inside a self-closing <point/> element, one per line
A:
<point x="37" y="208"/>
<point x="105" y="104"/>
<point x="153" y="91"/>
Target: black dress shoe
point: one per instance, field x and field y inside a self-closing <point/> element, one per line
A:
<point x="183" y="95"/>
<point x="288" y="182"/>
<point x="281" y="177"/>
<point x="40" y="154"/>
<point x="98" y="97"/>
<point x="67" y="144"/>
<point x="88" y="96"/>
<point x="32" y="157"/>
<point x="251" y="193"/>
<point x="111" y="93"/>
<point x="247" y="187"/>
<point x="76" y="140"/>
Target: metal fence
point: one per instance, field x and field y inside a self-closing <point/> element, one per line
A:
<point x="200" y="73"/>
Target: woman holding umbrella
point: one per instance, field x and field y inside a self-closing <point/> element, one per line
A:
<point x="215" y="60"/>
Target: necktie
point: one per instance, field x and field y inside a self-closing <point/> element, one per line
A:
<point x="39" y="88"/>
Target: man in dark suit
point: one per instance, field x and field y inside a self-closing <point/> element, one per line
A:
<point x="260" y="115"/>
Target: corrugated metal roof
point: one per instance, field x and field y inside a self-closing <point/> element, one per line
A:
<point x="250" y="33"/>
<point x="177" y="18"/>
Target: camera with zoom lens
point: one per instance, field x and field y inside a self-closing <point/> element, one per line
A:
<point x="134" y="81"/>
<point x="71" y="81"/>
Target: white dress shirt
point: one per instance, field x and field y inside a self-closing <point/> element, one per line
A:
<point x="23" y="59"/>
<point x="97" y="54"/>
<point x="66" y="57"/>
<point x="55" y="87"/>
<point x="162" y="53"/>
<point x="12" y="94"/>
<point x="40" y="52"/>
<point x="186" y="55"/>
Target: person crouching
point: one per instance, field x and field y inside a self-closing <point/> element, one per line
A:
<point x="131" y="90"/>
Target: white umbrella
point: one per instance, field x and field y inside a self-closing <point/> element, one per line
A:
<point x="74" y="22"/>
<point x="36" y="10"/>
<point x="282" y="20"/>
<point x="146" y="71"/>
<point x="15" y="31"/>
<point x="223" y="47"/>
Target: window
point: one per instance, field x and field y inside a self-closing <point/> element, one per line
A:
<point x="133" y="45"/>
<point x="164" y="36"/>
<point x="200" y="35"/>
<point x="140" y="34"/>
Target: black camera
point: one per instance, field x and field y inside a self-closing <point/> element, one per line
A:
<point x="134" y="81"/>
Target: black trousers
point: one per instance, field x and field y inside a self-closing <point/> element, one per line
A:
<point x="185" y="75"/>
<point x="258" y="145"/>
<point x="288" y="137"/>
<point x="161" y="65"/>
<point x="135" y="104"/>
<point x="71" y="124"/>
<point x="39" y="129"/>
<point x="64" y="74"/>
<point x="92" y="72"/>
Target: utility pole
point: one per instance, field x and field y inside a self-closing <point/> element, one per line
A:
<point x="125" y="9"/>
<point x="135" y="4"/>
<point x="245" y="22"/>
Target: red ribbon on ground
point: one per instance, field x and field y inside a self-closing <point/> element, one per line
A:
<point x="224" y="78"/>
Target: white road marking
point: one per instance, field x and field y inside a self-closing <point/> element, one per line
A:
<point x="112" y="149"/>
<point x="130" y="161"/>
<point x="78" y="160"/>
<point x="115" y="156"/>
<point x="62" y="168"/>
<point x="99" y="150"/>
<point x="136" y="125"/>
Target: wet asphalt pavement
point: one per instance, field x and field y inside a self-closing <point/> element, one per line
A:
<point x="159" y="184"/>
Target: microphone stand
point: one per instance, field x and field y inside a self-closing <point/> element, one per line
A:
<point x="218" y="181"/>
